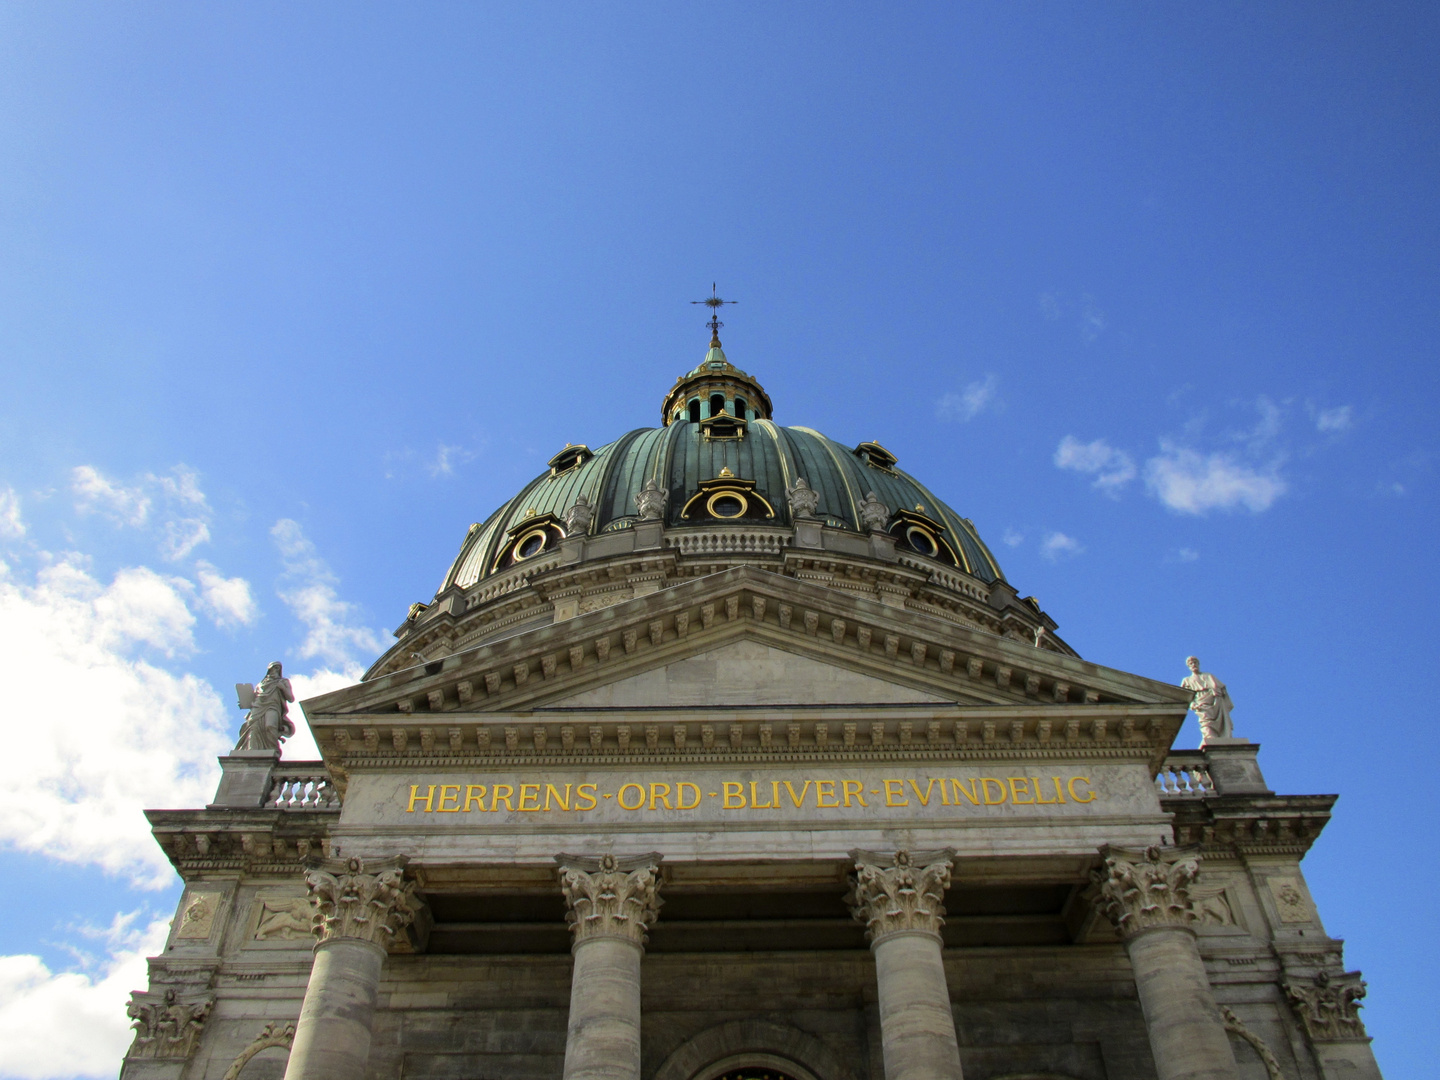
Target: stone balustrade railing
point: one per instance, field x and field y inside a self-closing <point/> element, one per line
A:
<point x="728" y="541"/>
<point x="305" y="785"/>
<point x="1185" y="775"/>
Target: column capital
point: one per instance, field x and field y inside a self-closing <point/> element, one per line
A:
<point x="1146" y="890"/>
<point x="1329" y="1006"/>
<point x="899" y="893"/>
<point x="610" y="897"/>
<point x="351" y="902"/>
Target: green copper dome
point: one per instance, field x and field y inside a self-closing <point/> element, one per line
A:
<point x="721" y="463"/>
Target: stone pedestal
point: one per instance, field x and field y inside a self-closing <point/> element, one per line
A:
<point x="1234" y="767"/>
<point x="612" y="904"/>
<point x="245" y="777"/>
<point x="900" y="900"/>
<point x="357" y="915"/>
<point x="1146" y="895"/>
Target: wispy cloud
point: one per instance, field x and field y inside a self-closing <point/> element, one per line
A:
<point x="1189" y="482"/>
<point x="185" y="512"/>
<point x="447" y="458"/>
<point x="1332" y="421"/>
<point x="1049" y="306"/>
<point x="12" y="525"/>
<point x="970" y="402"/>
<point x="1092" y="320"/>
<point x="1013" y="538"/>
<point x="1112" y="468"/>
<point x="333" y="628"/>
<point x="1057" y="546"/>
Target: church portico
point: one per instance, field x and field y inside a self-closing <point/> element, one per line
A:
<point x="725" y="752"/>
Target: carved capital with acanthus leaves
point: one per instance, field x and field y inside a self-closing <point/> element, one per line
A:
<point x="1329" y="1006"/>
<point x="1147" y="890"/>
<point x="904" y="893"/>
<point x="610" y="897"/>
<point x="167" y="1026"/>
<point x="351" y="902"/>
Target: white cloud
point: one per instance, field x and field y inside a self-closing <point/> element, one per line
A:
<point x="1187" y="555"/>
<point x="72" y="1024"/>
<point x="186" y="512"/>
<point x="104" y="732"/>
<point x="1112" y="468"/>
<point x="332" y="626"/>
<point x="124" y="505"/>
<point x="969" y="402"/>
<point x="1057" y="546"/>
<point x="301" y="746"/>
<point x="1013" y="538"/>
<point x="1193" y="483"/>
<point x="227" y="600"/>
<point x="1337" y="419"/>
<point x="1049" y="306"/>
<point x="12" y="525"/>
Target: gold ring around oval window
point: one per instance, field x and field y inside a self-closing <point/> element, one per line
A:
<point x="929" y="539"/>
<point x="710" y="504"/>
<point x="520" y="544"/>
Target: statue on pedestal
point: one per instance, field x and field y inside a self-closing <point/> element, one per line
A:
<point x="268" y="723"/>
<point x="1210" y="701"/>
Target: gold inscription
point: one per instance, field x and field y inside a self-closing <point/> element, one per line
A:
<point x="812" y="793"/>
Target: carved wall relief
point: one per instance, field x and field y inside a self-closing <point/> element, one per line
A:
<point x="284" y="919"/>
<point x="197" y="917"/>
<point x="1290" y="899"/>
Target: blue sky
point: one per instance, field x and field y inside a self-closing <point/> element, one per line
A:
<point x="292" y="294"/>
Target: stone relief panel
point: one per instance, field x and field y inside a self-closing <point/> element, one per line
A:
<point x="1213" y="906"/>
<point x="1290" y="900"/>
<point x="197" y="915"/>
<point x="282" y="918"/>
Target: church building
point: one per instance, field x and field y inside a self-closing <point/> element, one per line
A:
<point x="726" y="751"/>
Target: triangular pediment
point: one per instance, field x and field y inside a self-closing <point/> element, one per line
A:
<point x="746" y="672"/>
<point x="744" y="636"/>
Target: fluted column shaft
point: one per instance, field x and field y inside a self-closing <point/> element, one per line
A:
<point x="1146" y="895"/>
<point x="612" y="905"/>
<point x="902" y="907"/>
<point x="356" y="915"/>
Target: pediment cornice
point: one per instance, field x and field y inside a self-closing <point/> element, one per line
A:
<point x="552" y="662"/>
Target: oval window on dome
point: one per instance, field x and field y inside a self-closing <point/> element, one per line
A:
<point x="921" y="541"/>
<point x="532" y="543"/>
<point x="727" y="504"/>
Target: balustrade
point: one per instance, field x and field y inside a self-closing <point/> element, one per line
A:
<point x="307" y="789"/>
<point x="1185" y="775"/>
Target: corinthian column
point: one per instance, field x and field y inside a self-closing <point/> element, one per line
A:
<point x="1146" y="894"/>
<point x="357" y="914"/>
<point x="612" y="905"/>
<point x="901" y="903"/>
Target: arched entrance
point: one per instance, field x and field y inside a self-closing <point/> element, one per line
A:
<point x="754" y="1050"/>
